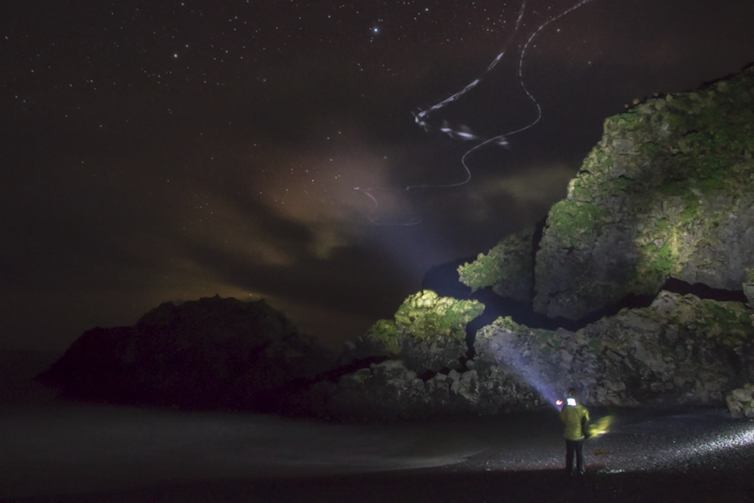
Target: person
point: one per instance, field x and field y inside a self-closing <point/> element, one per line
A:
<point x="575" y="416"/>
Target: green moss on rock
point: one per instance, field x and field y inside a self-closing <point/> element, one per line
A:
<point x="422" y="315"/>
<point x="508" y="267"/>
<point x="544" y="338"/>
<point x="577" y="222"/>
<point x="425" y="313"/>
<point x="729" y="323"/>
<point x="666" y="193"/>
<point x="387" y="333"/>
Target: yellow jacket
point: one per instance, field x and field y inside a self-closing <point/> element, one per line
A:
<point x="572" y="416"/>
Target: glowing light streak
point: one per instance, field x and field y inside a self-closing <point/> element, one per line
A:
<point x="464" y="133"/>
<point x="600" y="426"/>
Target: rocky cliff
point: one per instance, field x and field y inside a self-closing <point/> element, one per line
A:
<point x="668" y="192"/>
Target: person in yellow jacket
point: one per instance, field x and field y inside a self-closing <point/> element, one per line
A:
<point x="575" y="416"/>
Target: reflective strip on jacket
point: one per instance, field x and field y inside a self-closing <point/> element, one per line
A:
<point x="571" y="416"/>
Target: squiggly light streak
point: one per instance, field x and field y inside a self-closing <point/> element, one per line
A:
<point x="464" y="133"/>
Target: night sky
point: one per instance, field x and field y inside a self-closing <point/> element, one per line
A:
<point x="169" y="150"/>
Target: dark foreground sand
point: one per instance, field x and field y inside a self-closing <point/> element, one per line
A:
<point x="52" y="451"/>
<point x="543" y="486"/>
<point x="696" y="485"/>
<point x="683" y="455"/>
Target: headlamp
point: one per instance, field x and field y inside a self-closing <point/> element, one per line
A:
<point x="571" y="401"/>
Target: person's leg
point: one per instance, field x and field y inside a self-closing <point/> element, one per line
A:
<point x="579" y="448"/>
<point x="569" y="455"/>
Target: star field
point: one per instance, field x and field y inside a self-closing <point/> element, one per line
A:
<point x="159" y="151"/>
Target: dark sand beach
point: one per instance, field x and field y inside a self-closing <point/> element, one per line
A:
<point x="57" y="451"/>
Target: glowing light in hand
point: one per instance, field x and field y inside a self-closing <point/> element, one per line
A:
<point x="600" y="426"/>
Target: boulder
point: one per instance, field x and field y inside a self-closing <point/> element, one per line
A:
<point x="428" y="334"/>
<point x="741" y="402"/>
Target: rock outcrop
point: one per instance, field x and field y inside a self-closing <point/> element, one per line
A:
<point x="680" y="350"/>
<point x="667" y="195"/>
<point x="668" y="192"/>
<point x="200" y="354"/>
<point x="428" y="334"/>
<point x="508" y="268"/>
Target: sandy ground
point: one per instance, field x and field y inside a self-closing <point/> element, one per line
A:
<point x="53" y="451"/>
<point x="663" y="456"/>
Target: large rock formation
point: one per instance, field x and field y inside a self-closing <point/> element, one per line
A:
<point x="200" y="354"/>
<point x="668" y="192"/>
<point x="680" y="350"/>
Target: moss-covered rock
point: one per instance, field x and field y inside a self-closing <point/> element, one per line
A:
<point x="681" y="350"/>
<point x="668" y="192"/>
<point x="508" y="268"/>
<point x="425" y="314"/>
<point x="428" y="333"/>
<point x="386" y="332"/>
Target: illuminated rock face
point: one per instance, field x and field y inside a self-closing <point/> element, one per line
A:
<point x="667" y="193"/>
<point x="428" y="333"/>
<point x="508" y="268"/>
<point x="680" y="350"/>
